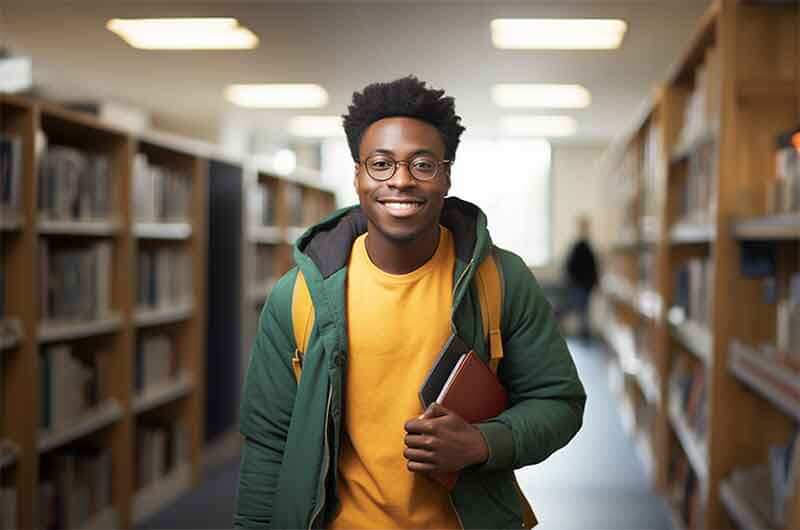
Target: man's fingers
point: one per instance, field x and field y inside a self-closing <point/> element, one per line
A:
<point x="420" y="466"/>
<point x="420" y="441"/>
<point x="419" y="455"/>
<point x="435" y="410"/>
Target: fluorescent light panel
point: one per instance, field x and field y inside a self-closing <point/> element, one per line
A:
<point x="277" y="96"/>
<point x="220" y="33"/>
<point x="539" y="126"/>
<point x="557" y="33"/>
<point x="541" y="96"/>
<point x="316" y="126"/>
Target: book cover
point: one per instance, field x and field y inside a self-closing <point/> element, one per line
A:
<point x="473" y="392"/>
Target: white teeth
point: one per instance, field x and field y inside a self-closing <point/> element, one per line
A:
<point x="401" y="205"/>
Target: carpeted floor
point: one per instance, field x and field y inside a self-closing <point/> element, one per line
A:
<point x="596" y="482"/>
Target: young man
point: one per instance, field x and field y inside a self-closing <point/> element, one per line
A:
<point x="349" y="446"/>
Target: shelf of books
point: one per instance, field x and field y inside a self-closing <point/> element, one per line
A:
<point x="279" y="209"/>
<point x="103" y="234"/>
<point x="726" y="267"/>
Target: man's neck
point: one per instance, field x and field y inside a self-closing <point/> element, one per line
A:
<point x="395" y="257"/>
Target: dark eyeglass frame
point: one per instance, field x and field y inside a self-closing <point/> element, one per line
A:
<point x="396" y="163"/>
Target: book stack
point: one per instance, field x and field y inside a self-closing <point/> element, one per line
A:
<point x="159" y="194"/>
<point x="694" y="284"/>
<point x="294" y="204"/>
<point x="10" y="175"/>
<point x="699" y="196"/>
<point x="156" y="360"/>
<point x="77" y="485"/>
<point x="784" y="471"/>
<point x="647" y="269"/>
<point x="70" y="385"/>
<point x="8" y="507"/>
<point x="685" y="489"/>
<point x="688" y="393"/>
<point x="652" y="174"/>
<point x="784" y="190"/>
<point x="264" y="270"/>
<point x="788" y="324"/>
<point x="75" y="281"/>
<point x="165" y="277"/>
<point x="74" y="185"/>
<point x="701" y="116"/>
<point x="160" y="449"/>
<point x="261" y="205"/>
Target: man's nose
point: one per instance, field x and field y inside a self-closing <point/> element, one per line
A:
<point x="402" y="177"/>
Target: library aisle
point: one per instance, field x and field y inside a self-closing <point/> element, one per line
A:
<point x="597" y="481"/>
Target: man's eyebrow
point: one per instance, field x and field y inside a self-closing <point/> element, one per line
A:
<point x="422" y="151"/>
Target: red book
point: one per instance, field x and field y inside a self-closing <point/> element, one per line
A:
<point x="473" y="392"/>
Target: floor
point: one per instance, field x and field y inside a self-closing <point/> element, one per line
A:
<point x="596" y="482"/>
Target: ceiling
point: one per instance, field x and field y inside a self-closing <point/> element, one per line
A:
<point x="344" y="45"/>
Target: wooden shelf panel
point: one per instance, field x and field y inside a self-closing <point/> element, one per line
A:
<point x="58" y="331"/>
<point x="162" y="393"/>
<point x="270" y="235"/>
<point x="9" y="453"/>
<point x="767" y="377"/>
<point x="10" y="333"/>
<point x="10" y="222"/>
<point x="757" y="90"/>
<point x="167" y="231"/>
<point x="79" y="228"/>
<point x="107" y="518"/>
<point x="93" y="420"/>
<point x="165" y="315"/>
<point x="163" y="492"/>
<point x="695" y="450"/>
<point x="685" y="151"/>
<point x="293" y="233"/>
<point x="684" y="232"/>
<point x="771" y="227"/>
<point x="739" y="505"/>
<point x="694" y="337"/>
<point x="647" y="379"/>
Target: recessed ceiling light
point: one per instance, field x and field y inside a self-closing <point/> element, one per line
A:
<point x="220" y="33"/>
<point x="539" y="126"/>
<point x="557" y="33"/>
<point x="316" y="126"/>
<point x="277" y="96"/>
<point x="541" y="96"/>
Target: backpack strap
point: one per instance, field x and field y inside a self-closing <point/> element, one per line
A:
<point x="490" y="295"/>
<point x="302" y="321"/>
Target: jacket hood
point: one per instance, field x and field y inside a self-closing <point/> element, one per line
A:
<point x="327" y="244"/>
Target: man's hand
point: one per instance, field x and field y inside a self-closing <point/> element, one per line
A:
<point x="440" y="440"/>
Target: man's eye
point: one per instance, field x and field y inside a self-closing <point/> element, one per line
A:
<point x="424" y="164"/>
<point x="380" y="164"/>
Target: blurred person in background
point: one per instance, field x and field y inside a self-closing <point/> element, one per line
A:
<point x="581" y="277"/>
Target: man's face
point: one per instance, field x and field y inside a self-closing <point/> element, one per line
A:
<point x="401" y="208"/>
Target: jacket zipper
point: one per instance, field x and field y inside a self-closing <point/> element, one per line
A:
<point x="325" y="464"/>
<point x="455" y="288"/>
<point x="455" y="511"/>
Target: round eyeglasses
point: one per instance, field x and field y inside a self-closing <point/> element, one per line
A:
<point x="422" y="167"/>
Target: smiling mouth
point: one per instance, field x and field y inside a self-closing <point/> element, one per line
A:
<point x="402" y="207"/>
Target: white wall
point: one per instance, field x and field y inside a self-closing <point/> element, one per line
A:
<point x="576" y="187"/>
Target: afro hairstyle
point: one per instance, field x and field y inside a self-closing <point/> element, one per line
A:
<point x="407" y="97"/>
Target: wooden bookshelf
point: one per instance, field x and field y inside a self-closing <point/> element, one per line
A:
<point x="297" y="201"/>
<point x="717" y="115"/>
<point x="112" y="424"/>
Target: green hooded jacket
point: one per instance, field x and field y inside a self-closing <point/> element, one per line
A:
<point x="292" y="430"/>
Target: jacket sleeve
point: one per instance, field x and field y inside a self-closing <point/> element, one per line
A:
<point x="547" y="397"/>
<point x="266" y="409"/>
